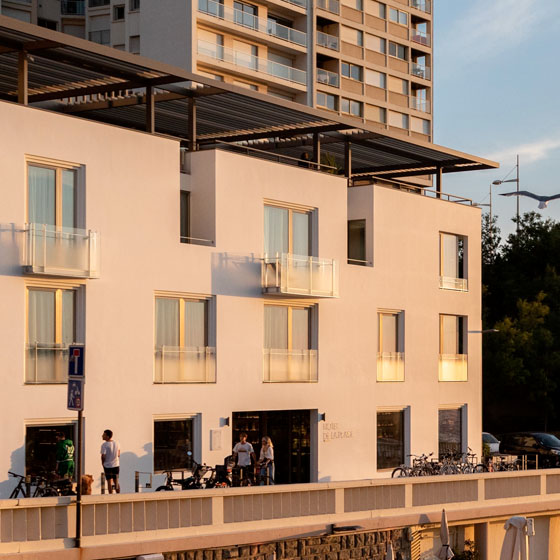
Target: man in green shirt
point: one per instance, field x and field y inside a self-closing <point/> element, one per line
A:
<point x="64" y="456"/>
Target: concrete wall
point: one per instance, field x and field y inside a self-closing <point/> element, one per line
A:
<point x="132" y="184"/>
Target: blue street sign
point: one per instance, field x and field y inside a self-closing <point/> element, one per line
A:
<point x="76" y="361"/>
<point x="75" y="394"/>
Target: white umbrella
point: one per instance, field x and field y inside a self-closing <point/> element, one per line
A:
<point x="445" y="553"/>
<point x="515" y="541"/>
<point x="389" y="555"/>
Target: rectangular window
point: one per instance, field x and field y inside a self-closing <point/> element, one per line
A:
<point x="453" y="269"/>
<point x="390" y="348"/>
<point x="351" y="71"/>
<point x="245" y="14"/>
<point x="397" y="85"/>
<point x="286" y="230"/>
<point x="245" y="54"/>
<point x="450" y="432"/>
<point x="40" y="447"/>
<point x="103" y="37"/>
<point x="185" y="216"/>
<point x="452" y="348"/>
<point x="47" y="23"/>
<point x="377" y="44"/>
<point x="182" y="349"/>
<point x="399" y="51"/>
<point x="355" y="4"/>
<point x="375" y="8"/>
<point x="134" y="44"/>
<point x="173" y="439"/>
<point x="398" y="17"/>
<point x="390" y="439"/>
<point x="421" y="126"/>
<point x="352" y="36"/>
<point x="51" y="327"/>
<point x="351" y="107"/>
<point x="118" y="13"/>
<point x="288" y="353"/>
<point x="134" y="5"/>
<point x="327" y="100"/>
<point x="377" y="79"/>
<point x="357" y="242"/>
<point x="399" y="120"/>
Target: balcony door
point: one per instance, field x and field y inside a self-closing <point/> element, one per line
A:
<point x="286" y="230"/>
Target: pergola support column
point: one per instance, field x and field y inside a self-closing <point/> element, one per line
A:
<point x="150" y="110"/>
<point x="348" y="160"/>
<point x="317" y="149"/>
<point x="23" y="78"/>
<point x="192" y="125"/>
<point x="439" y="177"/>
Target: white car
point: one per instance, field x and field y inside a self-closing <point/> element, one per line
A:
<point x="491" y="441"/>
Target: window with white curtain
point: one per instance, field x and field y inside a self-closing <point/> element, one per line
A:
<point x="287" y="230"/>
<point x="51" y="328"/>
<point x="390" y="346"/>
<point x="453" y="269"/>
<point x="182" y="349"/>
<point x="452" y="334"/>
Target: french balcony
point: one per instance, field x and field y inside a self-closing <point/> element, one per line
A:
<point x="420" y="37"/>
<point x="181" y="364"/>
<point x="289" y="366"/>
<point x="255" y="23"/>
<point x="73" y="7"/>
<point x="422" y="5"/>
<point x="327" y="78"/>
<point x="251" y="62"/>
<point x="453" y="367"/>
<point x="420" y="104"/>
<point x="61" y="251"/>
<point x="328" y="41"/>
<point x="390" y="366"/>
<point x="297" y="275"/>
<point x="456" y="284"/>
<point x="420" y="71"/>
<point x="332" y="6"/>
<point x="46" y="363"/>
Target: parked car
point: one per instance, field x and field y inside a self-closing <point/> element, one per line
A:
<point x="545" y="446"/>
<point x="491" y="441"/>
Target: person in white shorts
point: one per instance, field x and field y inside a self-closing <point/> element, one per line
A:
<point x="110" y="454"/>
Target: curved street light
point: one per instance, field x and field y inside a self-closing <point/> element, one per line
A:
<point x="516" y="180"/>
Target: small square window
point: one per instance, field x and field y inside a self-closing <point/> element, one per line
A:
<point x="134" y="5"/>
<point x="327" y="100"/>
<point x="118" y="12"/>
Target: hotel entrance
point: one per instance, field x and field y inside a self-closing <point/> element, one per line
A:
<point x="290" y="431"/>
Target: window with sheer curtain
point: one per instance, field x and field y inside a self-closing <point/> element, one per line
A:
<point x="51" y="328"/>
<point x="286" y="230"/>
<point x="452" y="334"/>
<point x="452" y="261"/>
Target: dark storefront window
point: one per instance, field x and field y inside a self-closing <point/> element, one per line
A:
<point x="173" y="439"/>
<point x="390" y="439"/>
<point x="450" y="432"/>
<point x="40" y="447"/>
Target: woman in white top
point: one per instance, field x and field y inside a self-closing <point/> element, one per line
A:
<point x="266" y="462"/>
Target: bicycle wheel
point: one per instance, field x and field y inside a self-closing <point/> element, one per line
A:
<point x="480" y="468"/>
<point x="448" y="469"/>
<point x="400" y="472"/>
<point x="164" y="489"/>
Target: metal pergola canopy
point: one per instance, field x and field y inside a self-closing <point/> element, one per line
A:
<point x="44" y="68"/>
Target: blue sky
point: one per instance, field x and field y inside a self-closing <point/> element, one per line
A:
<point x="497" y="94"/>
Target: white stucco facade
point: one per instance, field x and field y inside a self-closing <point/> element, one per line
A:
<point x="130" y="183"/>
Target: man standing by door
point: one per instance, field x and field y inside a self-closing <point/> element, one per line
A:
<point x="64" y="456"/>
<point x="244" y="454"/>
<point x="110" y="453"/>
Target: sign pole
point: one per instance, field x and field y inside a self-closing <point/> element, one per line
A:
<point x="79" y="481"/>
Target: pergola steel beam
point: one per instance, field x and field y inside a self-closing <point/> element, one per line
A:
<point x="23" y="78"/>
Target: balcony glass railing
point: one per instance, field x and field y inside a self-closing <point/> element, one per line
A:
<point x="252" y="22"/>
<point x="61" y="251"/>
<point x="180" y="364"/>
<point x="328" y="41"/>
<point x="289" y="366"/>
<point x="449" y="283"/>
<point x="46" y="363"/>
<point x="420" y="37"/>
<point x="423" y="5"/>
<point x="420" y="104"/>
<point x="72" y="7"/>
<point x="390" y="366"/>
<point x="327" y="78"/>
<point x="300" y="275"/>
<point x="252" y="62"/>
<point x="424" y="72"/>
<point x="332" y="6"/>
<point x="453" y="367"/>
<point x="300" y="3"/>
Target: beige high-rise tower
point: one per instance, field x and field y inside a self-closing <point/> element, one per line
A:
<point x="363" y="58"/>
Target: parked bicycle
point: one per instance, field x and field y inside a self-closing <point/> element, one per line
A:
<point x="201" y="474"/>
<point x="39" y="486"/>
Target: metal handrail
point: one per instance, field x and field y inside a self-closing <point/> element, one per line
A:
<point x="327" y="77"/>
<point x="422" y="5"/>
<point x="357" y="261"/>
<point x="256" y="23"/>
<point x="188" y="239"/>
<point x="300" y="3"/>
<point x="35" y="347"/>
<point x="421" y="71"/>
<point x="252" y="62"/>
<point x="205" y="352"/>
<point x="420" y="37"/>
<point x="328" y="41"/>
<point x="420" y="104"/>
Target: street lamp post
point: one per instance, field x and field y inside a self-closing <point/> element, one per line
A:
<point x="516" y="180"/>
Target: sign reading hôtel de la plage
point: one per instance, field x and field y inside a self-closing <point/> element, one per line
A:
<point x="333" y="431"/>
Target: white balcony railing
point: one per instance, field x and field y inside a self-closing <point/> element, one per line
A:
<point x="328" y="41"/>
<point x="252" y="62"/>
<point x="328" y="78"/>
<point x="420" y="37"/>
<point x="422" y="5"/>
<point x="332" y="6"/>
<point x="420" y="104"/>
<point x="46" y="363"/>
<point x="449" y="283"/>
<point x="289" y="366"/>
<point x="390" y="366"/>
<point x="300" y="275"/>
<point x="453" y="367"/>
<point x="250" y="21"/>
<point x="420" y="71"/>
<point x="181" y="364"/>
<point x="61" y="251"/>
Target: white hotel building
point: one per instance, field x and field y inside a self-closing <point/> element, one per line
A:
<point x="218" y="283"/>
